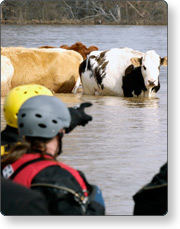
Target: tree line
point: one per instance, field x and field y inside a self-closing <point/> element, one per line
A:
<point x="84" y="12"/>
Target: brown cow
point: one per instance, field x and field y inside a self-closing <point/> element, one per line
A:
<point x="80" y="48"/>
<point x="7" y="71"/>
<point x="56" y="69"/>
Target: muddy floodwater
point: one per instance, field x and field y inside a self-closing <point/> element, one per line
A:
<point x="126" y="143"/>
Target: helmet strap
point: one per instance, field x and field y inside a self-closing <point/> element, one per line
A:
<point x="60" y="136"/>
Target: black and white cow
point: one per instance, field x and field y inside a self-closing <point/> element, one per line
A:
<point x="121" y="72"/>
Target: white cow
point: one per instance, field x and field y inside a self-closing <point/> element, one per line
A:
<point x="121" y="72"/>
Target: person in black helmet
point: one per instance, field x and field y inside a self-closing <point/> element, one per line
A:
<point x="43" y="120"/>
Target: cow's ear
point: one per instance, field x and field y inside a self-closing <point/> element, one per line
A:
<point x="136" y="61"/>
<point x="164" y="61"/>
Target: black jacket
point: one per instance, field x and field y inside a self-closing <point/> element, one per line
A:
<point x="62" y="190"/>
<point x="9" y="137"/>
<point x="61" y="202"/>
<point x="18" y="200"/>
<point x="152" y="198"/>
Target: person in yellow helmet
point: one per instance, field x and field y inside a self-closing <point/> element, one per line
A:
<point x="13" y="101"/>
<point x="10" y="136"/>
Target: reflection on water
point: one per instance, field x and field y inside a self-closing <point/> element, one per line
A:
<point x="141" y="103"/>
<point x="126" y="143"/>
<point x="121" y="149"/>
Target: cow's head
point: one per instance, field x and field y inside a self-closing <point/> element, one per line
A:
<point x="150" y="67"/>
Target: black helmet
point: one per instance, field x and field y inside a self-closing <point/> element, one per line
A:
<point x="43" y="116"/>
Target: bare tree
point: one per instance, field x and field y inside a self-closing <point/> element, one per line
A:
<point x="70" y="9"/>
<point x="141" y="15"/>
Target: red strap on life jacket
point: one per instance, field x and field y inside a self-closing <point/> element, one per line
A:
<point x="26" y="175"/>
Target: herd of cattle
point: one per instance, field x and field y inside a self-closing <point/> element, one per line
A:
<point x="117" y="71"/>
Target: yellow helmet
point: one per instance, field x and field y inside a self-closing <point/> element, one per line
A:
<point x="17" y="96"/>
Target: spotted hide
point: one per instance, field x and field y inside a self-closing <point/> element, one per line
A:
<point x="121" y="72"/>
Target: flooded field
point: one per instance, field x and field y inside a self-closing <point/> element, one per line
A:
<point x="126" y="143"/>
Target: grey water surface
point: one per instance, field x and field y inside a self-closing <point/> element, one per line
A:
<point x="126" y="143"/>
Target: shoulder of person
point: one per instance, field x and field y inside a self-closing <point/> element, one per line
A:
<point x="56" y="175"/>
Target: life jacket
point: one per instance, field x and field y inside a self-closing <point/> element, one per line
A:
<point x="28" y="166"/>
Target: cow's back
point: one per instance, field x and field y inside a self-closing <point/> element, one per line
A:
<point x="54" y="68"/>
